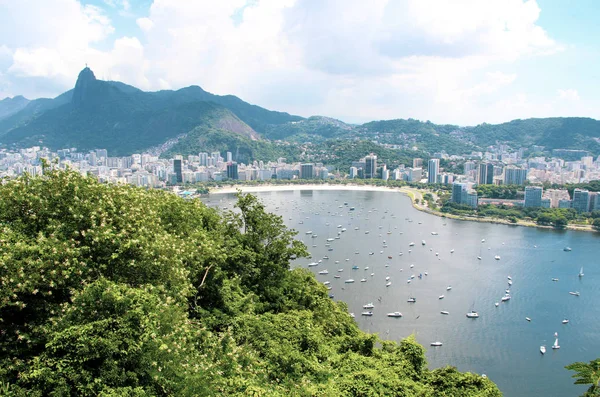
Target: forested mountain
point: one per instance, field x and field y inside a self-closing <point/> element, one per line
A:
<point x="123" y="119"/>
<point x="9" y="106"/>
<point x="111" y="290"/>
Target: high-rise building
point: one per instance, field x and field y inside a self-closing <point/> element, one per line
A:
<point x="370" y="166"/>
<point x="385" y="174"/>
<point x="485" y="174"/>
<point x="469" y="166"/>
<point x="307" y="171"/>
<point x="533" y="196"/>
<point x="232" y="170"/>
<point x="594" y="201"/>
<point x="458" y="190"/>
<point x="324" y="173"/>
<point x="515" y="176"/>
<point x="203" y="159"/>
<point x="433" y="169"/>
<point x="353" y="172"/>
<point x="417" y="162"/>
<point x="178" y="169"/>
<point x="489" y="180"/>
<point x="229" y="157"/>
<point x="581" y="200"/>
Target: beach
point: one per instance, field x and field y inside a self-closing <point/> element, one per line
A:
<point x="412" y="193"/>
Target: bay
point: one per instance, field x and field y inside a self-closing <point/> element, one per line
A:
<point x="501" y="343"/>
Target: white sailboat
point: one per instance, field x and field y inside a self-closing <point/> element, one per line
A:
<point x="542" y="349"/>
<point x="581" y="272"/>
<point x="555" y="346"/>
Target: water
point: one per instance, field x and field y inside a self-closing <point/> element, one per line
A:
<point x="500" y="343"/>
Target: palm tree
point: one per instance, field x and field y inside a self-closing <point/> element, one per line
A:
<point x="587" y="374"/>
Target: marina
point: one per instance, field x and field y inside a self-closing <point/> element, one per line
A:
<point x="495" y="340"/>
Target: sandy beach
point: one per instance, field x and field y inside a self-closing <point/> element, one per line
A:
<point x="279" y="188"/>
<point x="414" y="194"/>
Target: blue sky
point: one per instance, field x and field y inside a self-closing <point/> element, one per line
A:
<point x="463" y="62"/>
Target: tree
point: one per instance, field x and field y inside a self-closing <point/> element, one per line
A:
<point x="587" y="374"/>
<point x="596" y="224"/>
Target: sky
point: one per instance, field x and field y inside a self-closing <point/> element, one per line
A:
<point x="461" y="62"/>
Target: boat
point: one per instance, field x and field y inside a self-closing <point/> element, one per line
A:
<point x="496" y="304"/>
<point x="543" y="349"/>
<point x="472" y="314"/>
<point x="448" y="288"/>
<point x="581" y="272"/>
<point x="575" y="293"/>
<point x="441" y="297"/>
<point x="351" y="208"/>
<point x="344" y="229"/>
<point x="349" y="281"/>
<point x="309" y="232"/>
<point x="354" y="267"/>
<point x="371" y="253"/>
<point x="326" y="283"/>
<point x="434" y="233"/>
<point x="452" y="251"/>
<point x="567" y="249"/>
<point x="389" y="257"/>
<point x="483" y="240"/>
<point x="314" y="236"/>
<point x="411" y="244"/>
<point x="509" y="277"/>
<point x="527" y="318"/>
<point x="436" y="344"/>
<point x="505" y="298"/>
<point x="445" y="312"/>
<point x="367" y="232"/>
<point x="423" y="242"/>
<point x="339" y="226"/>
<point x="394" y="314"/>
<point x="330" y="239"/>
<point x="363" y="280"/>
<point x="366" y="267"/>
<point x="554" y="279"/>
<point x="387" y="278"/>
<point x="412" y="300"/>
<point x="325" y="257"/>
<point x="509" y="282"/>
<point x="479" y="257"/>
<point x="388" y="283"/>
<point x="411" y="266"/>
<point x="352" y="315"/>
<point x="369" y="305"/>
<point x="555" y="346"/>
<point x="565" y="321"/>
<point x="313" y="264"/>
<point x="337" y="276"/>
<point x="366" y="314"/>
<point x="324" y="272"/>
<point x="497" y="257"/>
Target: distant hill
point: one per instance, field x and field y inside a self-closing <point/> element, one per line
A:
<point x="10" y="106"/>
<point x="124" y="119"/>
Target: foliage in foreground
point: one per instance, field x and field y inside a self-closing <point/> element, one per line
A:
<point x="587" y="374"/>
<point x="119" y="291"/>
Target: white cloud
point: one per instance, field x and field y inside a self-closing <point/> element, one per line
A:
<point x="144" y="23"/>
<point x="568" y="94"/>
<point x="356" y="60"/>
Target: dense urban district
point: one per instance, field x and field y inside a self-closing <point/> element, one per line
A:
<point x="494" y="184"/>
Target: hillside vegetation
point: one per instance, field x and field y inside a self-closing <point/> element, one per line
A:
<point x="120" y="291"/>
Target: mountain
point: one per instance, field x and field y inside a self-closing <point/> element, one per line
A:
<point x="10" y="106"/>
<point x="124" y="119"/>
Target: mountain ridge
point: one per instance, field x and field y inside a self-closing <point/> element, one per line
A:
<point x="125" y="119"/>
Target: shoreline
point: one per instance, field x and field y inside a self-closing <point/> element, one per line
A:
<point x="411" y="193"/>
